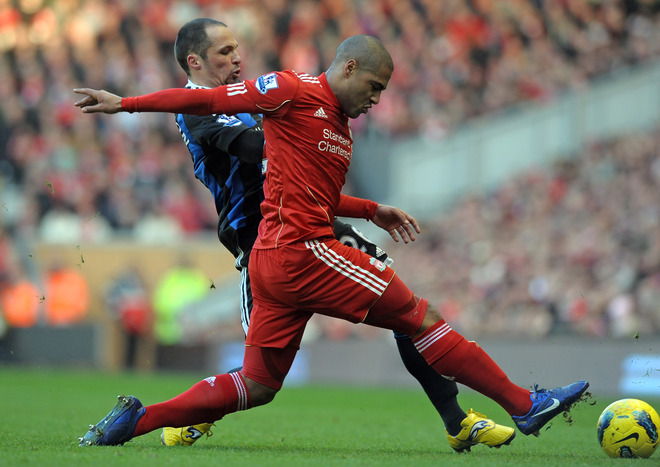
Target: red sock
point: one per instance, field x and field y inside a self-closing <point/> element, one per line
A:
<point x="205" y="402"/>
<point x="451" y="355"/>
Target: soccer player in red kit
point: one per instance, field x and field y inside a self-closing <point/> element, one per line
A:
<point x="297" y="267"/>
<point x="227" y="155"/>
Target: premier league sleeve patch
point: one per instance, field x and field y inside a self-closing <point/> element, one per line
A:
<point x="227" y="120"/>
<point x="266" y="82"/>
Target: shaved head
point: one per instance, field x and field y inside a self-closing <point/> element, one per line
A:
<point x="369" y="53"/>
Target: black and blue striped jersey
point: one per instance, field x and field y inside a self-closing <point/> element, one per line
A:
<point x="226" y="153"/>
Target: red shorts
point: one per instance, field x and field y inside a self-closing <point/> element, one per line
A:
<point x="291" y="283"/>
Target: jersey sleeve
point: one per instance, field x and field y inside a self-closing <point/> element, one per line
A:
<point x="267" y="94"/>
<point x="350" y="206"/>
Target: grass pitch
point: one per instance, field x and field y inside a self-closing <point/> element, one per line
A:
<point x="43" y="412"/>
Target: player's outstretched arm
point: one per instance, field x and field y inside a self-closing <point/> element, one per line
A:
<point x="175" y="100"/>
<point x="98" y="101"/>
<point x="398" y="223"/>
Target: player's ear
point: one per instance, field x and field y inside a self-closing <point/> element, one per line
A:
<point x="194" y="61"/>
<point x="350" y="68"/>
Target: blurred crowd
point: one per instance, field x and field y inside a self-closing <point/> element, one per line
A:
<point x="574" y="248"/>
<point x="68" y="177"/>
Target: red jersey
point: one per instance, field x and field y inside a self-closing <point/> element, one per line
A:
<point x="308" y="147"/>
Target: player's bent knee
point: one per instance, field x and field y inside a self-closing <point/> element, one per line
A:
<point x="432" y="316"/>
<point x="260" y="394"/>
<point x="265" y="369"/>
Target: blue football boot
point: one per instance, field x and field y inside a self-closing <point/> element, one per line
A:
<point x="546" y="403"/>
<point x="118" y="426"/>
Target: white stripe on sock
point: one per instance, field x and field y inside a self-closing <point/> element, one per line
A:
<point x="241" y="389"/>
<point x="435" y="336"/>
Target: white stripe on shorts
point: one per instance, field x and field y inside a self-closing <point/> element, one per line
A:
<point x="346" y="268"/>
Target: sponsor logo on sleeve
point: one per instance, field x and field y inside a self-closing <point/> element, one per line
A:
<point x="266" y="82"/>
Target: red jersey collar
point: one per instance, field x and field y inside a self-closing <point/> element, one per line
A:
<point x="331" y="95"/>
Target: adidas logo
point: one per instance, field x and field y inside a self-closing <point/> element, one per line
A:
<point x="320" y="113"/>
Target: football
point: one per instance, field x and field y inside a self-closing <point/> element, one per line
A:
<point x="628" y="428"/>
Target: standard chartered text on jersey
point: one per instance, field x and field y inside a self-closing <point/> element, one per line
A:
<point x="325" y="146"/>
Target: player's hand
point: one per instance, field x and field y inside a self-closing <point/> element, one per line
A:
<point x="98" y="101"/>
<point x="398" y="223"/>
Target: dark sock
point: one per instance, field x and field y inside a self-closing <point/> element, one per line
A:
<point x="440" y="391"/>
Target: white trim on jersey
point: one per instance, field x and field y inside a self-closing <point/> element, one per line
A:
<point x="435" y="336"/>
<point x="308" y="78"/>
<point x="235" y="89"/>
<point x="345" y="267"/>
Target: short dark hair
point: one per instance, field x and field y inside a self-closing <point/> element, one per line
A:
<point x="192" y="39"/>
<point x="368" y="51"/>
